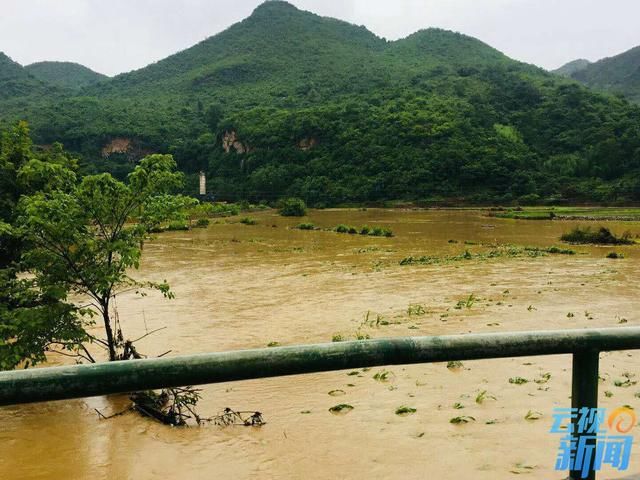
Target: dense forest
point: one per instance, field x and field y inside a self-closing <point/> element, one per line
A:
<point x="619" y="74"/>
<point x="288" y="103"/>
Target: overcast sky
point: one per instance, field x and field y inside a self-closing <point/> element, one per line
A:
<point x="114" y="36"/>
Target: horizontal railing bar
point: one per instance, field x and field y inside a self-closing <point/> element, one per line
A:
<point x="58" y="383"/>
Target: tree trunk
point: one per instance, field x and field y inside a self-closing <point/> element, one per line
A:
<point x="108" y="329"/>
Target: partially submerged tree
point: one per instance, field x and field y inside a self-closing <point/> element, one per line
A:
<point x="32" y="317"/>
<point x="86" y="239"/>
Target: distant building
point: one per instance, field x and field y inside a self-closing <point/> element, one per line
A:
<point x="203" y="184"/>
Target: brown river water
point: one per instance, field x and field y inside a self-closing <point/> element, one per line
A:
<point x="240" y="286"/>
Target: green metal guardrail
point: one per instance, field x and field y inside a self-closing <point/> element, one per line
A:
<point x="58" y="383"/>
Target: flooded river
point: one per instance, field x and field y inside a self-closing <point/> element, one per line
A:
<point x="246" y="286"/>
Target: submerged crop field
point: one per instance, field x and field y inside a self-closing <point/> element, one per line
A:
<point x="266" y="282"/>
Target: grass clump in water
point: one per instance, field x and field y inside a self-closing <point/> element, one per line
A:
<point x="248" y="221"/>
<point x="403" y="411"/>
<point x="462" y="419"/>
<point x="615" y="255"/>
<point x="306" y="226"/>
<point x="341" y="408"/>
<point x="601" y="236"/>
<point x="518" y="380"/>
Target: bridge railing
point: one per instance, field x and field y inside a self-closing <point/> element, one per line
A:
<point x="59" y="383"/>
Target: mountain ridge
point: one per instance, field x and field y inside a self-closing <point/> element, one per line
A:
<point x="287" y="102"/>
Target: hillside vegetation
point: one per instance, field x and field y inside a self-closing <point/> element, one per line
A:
<point x="619" y="74"/>
<point x="64" y="74"/>
<point x="290" y="104"/>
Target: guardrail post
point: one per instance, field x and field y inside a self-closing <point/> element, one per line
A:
<point x="584" y="393"/>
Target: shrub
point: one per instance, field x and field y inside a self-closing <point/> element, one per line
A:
<point x="615" y="255"/>
<point x="342" y="228"/>
<point x="248" y="221"/>
<point x="176" y="226"/>
<point x="292" y="207"/>
<point x="306" y="226"/>
<point x="365" y="230"/>
<point x="202" y="223"/>
<point x="602" y="236"/>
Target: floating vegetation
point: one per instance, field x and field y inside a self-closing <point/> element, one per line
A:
<point x="601" y="236"/>
<point x="467" y="303"/>
<point x="383" y="376"/>
<point x="273" y="344"/>
<point x="497" y="251"/>
<point x="462" y="419"/>
<point x="458" y="406"/>
<point x="482" y="396"/>
<point x="544" y="378"/>
<point x="403" y="411"/>
<point x="520" y="468"/>
<point x="366" y="230"/>
<point x="415" y="309"/>
<point x="454" y="365"/>
<point x="248" y="221"/>
<point x="337" y="338"/>
<point x="615" y="255"/>
<point x="518" y="380"/>
<point x="337" y="393"/>
<point x="231" y="417"/>
<point x="627" y="382"/>
<point x="533" y="415"/>
<point x="341" y="408"/>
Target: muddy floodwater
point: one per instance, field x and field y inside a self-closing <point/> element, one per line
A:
<point x="247" y="286"/>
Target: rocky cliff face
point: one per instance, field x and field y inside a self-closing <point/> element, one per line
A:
<point x="230" y="141"/>
<point x="307" y="143"/>
<point x="117" y="145"/>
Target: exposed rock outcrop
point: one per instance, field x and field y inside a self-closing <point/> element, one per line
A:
<point x="230" y="141"/>
<point x="307" y="143"/>
<point x="117" y="145"/>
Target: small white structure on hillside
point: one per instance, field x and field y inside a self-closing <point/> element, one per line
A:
<point x="203" y="184"/>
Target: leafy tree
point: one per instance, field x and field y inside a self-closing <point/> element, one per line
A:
<point x="84" y="240"/>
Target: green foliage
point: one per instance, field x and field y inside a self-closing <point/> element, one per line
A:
<point x="601" y="236"/>
<point x="84" y="239"/>
<point x="361" y="119"/>
<point x="248" y="221"/>
<point x="64" y="74"/>
<point x="306" y="226"/>
<point x="292" y="207"/>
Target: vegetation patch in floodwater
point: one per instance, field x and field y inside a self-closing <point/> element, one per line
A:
<point x="462" y="419"/>
<point x="601" y="236"/>
<point x="372" y="232"/>
<point x="404" y="411"/>
<point x="567" y="213"/>
<point x="248" y="221"/>
<point x="341" y="408"/>
<point x="497" y="251"/>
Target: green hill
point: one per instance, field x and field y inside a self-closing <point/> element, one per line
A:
<point x="64" y="74"/>
<point x="290" y="103"/>
<point x="15" y="81"/>
<point x="619" y="74"/>
<point x="568" y="69"/>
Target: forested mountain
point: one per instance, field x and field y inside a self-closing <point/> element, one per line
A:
<point x="64" y="74"/>
<point x="290" y="103"/>
<point x="15" y="81"/>
<point x="568" y="69"/>
<point x="618" y="75"/>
